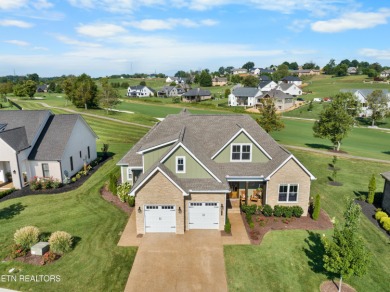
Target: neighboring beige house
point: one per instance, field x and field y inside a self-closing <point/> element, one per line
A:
<point x="306" y="72"/>
<point x="39" y="143"/>
<point x="189" y="168"/>
<point x="219" y="81"/>
<point x="238" y="71"/>
<point x="386" y="192"/>
<point x="196" y="95"/>
<point x="283" y="101"/>
<point x="168" y="91"/>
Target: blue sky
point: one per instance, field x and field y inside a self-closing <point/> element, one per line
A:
<point x="105" y="37"/>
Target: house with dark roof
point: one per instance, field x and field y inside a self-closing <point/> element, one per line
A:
<point x="282" y="101"/>
<point x="189" y="170"/>
<point x="267" y="85"/>
<point x="39" y="143"/>
<point x="140" y="91"/>
<point x="168" y="91"/>
<point x="196" y="95"/>
<point x="291" y="79"/>
<point x="244" y="96"/>
<point x="219" y="81"/>
<point x="42" y="88"/>
<point x="289" y="88"/>
<point x="386" y="192"/>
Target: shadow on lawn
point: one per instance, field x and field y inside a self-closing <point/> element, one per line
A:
<point x="386" y="152"/>
<point x="11" y="211"/>
<point x="362" y="195"/>
<point x="315" y="252"/>
<point x="319" y="146"/>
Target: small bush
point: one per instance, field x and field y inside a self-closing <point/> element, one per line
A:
<point x="317" y="207"/>
<point x="74" y="179"/>
<point x="287" y="212"/>
<point x="251" y="225"/>
<point x="131" y="201"/>
<point x="248" y="217"/>
<point x="267" y="210"/>
<point x="113" y="183"/>
<point x="380" y="214"/>
<point x="249" y="209"/>
<point x="48" y="257"/>
<point x="27" y="236"/>
<point x="383" y="219"/>
<point x="60" y="242"/>
<point x="297" y="211"/>
<point x="6" y="193"/>
<point x="278" y="211"/>
<point x="123" y="191"/>
<point x="17" y="251"/>
<point x="386" y="223"/>
<point x="78" y="176"/>
<point x="228" y="226"/>
<point x="371" y="190"/>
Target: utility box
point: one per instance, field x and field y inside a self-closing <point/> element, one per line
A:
<point x="40" y="248"/>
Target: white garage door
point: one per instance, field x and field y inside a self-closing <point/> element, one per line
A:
<point x="160" y="218"/>
<point x="204" y="215"/>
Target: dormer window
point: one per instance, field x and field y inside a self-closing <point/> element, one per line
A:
<point x="180" y="164"/>
<point x="241" y="152"/>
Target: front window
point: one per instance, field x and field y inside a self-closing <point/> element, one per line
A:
<point x="241" y="152"/>
<point x="45" y="170"/>
<point x="180" y="164"/>
<point x="129" y="174"/>
<point x="288" y="193"/>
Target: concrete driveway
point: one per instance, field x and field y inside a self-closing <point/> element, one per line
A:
<point x="169" y="262"/>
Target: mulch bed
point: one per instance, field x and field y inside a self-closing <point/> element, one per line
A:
<point x="335" y="183"/>
<point x="331" y="286"/>
<point x="65" y="188"/>
<point x="35" y="260"/>
<point x="276" y="223"/>
<point x="109" y="197"/>
<point x="369" y="211"/>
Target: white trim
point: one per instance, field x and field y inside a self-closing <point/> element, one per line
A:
<point x="129" y="171"/>
<point x="288" y="192"/>
<point x="245" y="178"/>
<point x="193" y="156"/>
<point x="241" y="146"/>
<point x="312" y="177"/>
<point x="143" y="163"/>
<point x="250" y="138"/>
<point x="132" y="193"/>
<point x="157" y="146"/>
<point x="177" y="164"/>
<point x="209" y="191"/>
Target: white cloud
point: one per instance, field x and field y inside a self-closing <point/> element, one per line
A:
<point x="17" y="43"/>
<point x="12" y="4"/>
<point x="42" y="4"/>
<point x="375" y="53"/>
<point x="298" y="25"/>
<point x="17" y="23"/>
<point x="69" y="41"/>
<point x="100" y="30"/>
<point x="170" y="23"/>
<point x="352" y="20"/>
<point x="40" y="48"/>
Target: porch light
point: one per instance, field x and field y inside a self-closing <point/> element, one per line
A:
<point x="221" y="209"/>
<point x="14" y="172"/>
<point x="179" y="210"/>
<point x="139" y="210"/>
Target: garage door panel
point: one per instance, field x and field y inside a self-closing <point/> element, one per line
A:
<point x="204" y="215"/>
<point x="160" y="218"/>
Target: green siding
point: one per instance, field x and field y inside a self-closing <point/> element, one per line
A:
<point x="151" y="157"/>
<point x="124" y="174"/>
<point x="193" y="168"/>
<point x="257" y="154"/>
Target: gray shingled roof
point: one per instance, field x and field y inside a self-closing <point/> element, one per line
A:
<point x="54" y="137"/>
<point x="197" y="92"/>
<point x="386" y="175"/>
<point x="274" y="93"/>
<point x="264" y="83"/>
<point x="16" y="138"/>
<point x="204" y="136"/>
<point x="245" y="91"/>
<point x="285" y="86"/>
<point x="292" y="78"/>
<point x="31" y="120"/>
<point x="140" y="87"/>
<point x="364" y="92"/>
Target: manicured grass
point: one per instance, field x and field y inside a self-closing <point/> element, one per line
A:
<point x="291" y="260"/>
<point x="360" y="142"/>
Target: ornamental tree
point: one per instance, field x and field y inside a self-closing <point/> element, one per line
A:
<point x="269" y="120"/>
<point x="371" y="190"/>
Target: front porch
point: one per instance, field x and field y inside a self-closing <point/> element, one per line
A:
<point x="6" y="186"/>
<point x="247" y="193"/>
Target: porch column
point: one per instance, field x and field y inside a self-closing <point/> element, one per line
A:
<point x="246" y="193"/>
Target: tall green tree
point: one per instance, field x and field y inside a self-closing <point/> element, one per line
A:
<point x="371" y="190"/>
<point x="378" y="102"/>
<point x="250" y="81"/>
<point x="81" y="91"/>
<point x="269" y="120"/>
<point x="205" y="79"/>
<point x="346" y="254"/>
<point x="109" y="96"/>
<point x="34" y="77"/>
<point x="281" y="72"/>
<point x="5" y="87"/>
<point x="30" y="87"/>
<point x="248" y="65"/>
<point x="335" y="121"/>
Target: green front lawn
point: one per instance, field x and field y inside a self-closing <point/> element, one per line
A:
<point x="291" y="260"/>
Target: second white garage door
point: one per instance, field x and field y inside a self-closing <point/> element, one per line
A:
<point x="203" y="215"/>
<point x="160" y="218"/>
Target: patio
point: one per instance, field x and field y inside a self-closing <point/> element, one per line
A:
<point x="6" y="186"/>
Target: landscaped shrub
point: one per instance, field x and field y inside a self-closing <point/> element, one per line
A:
<point x="287" y="212"/>
<point x="113" y="183"/>
<point x="249" y="209"/>
<point x="123" y="191"/>
<point x="383" y="219"/>
<point x="60" y="242"/>
<point x="26" y="236"/>
<point x="228" y="226"/>
<point x="35" y="184"/>
<point x="6" y="193"/>
<point x="267" y="210"/>
<point x="297" y="211"/>
<point x="371" y="190"/>
<point x="380" y="214"/>
<point x="251" y="225"/>
<point x="131" y="201"/>
<point x="317" y="207"/>
<point x="386" y="223"/>
<point x="278" y="211"/>
<point x="17" y="251"/>
<point x="48" y="257"/>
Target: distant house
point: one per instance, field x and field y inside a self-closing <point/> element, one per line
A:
<point x="264" y="78"/>
<point x="168" y="91"/>
<point x="291" y="79"/>
<point x="255" y="71"/>
<point x="196" y="95"/>
<point x="352" y="70"/>
<point x="238" y="71"/>
<point x="244" y="96"/>
<point x="385" y="74"/>
<point x="219" y="81"/>
<point x="289" y="88"/>
<point x="177" y="80"/>
<point x="306" y="72"/>
<point x="361" y="95"/>
<point x="42" y="88"/>
<point x="140" y="91"/>
<point x="386" y="192"/>
<point x="39" y="143"/>
<point x="282" y="100"/>
<point x="267" y="85"/>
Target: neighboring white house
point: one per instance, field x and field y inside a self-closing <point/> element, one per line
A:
<point x="267" y="85"/>
<point x="39" y="143"/>
<point x="244" y="96"/>
<point x="237" y="71"/>
<point x="361" y="95"/>
<point x="352" y="70"/>
<point x="385" y="74"/>
<point x="140" y="91"/>
<point x="289" y="88"/>
<point x="291" y="79"/>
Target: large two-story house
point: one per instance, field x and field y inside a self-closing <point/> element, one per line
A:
<point x="244" y="96"/>
<point x="188" y="168"/>
<point x="39" y="143"/>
